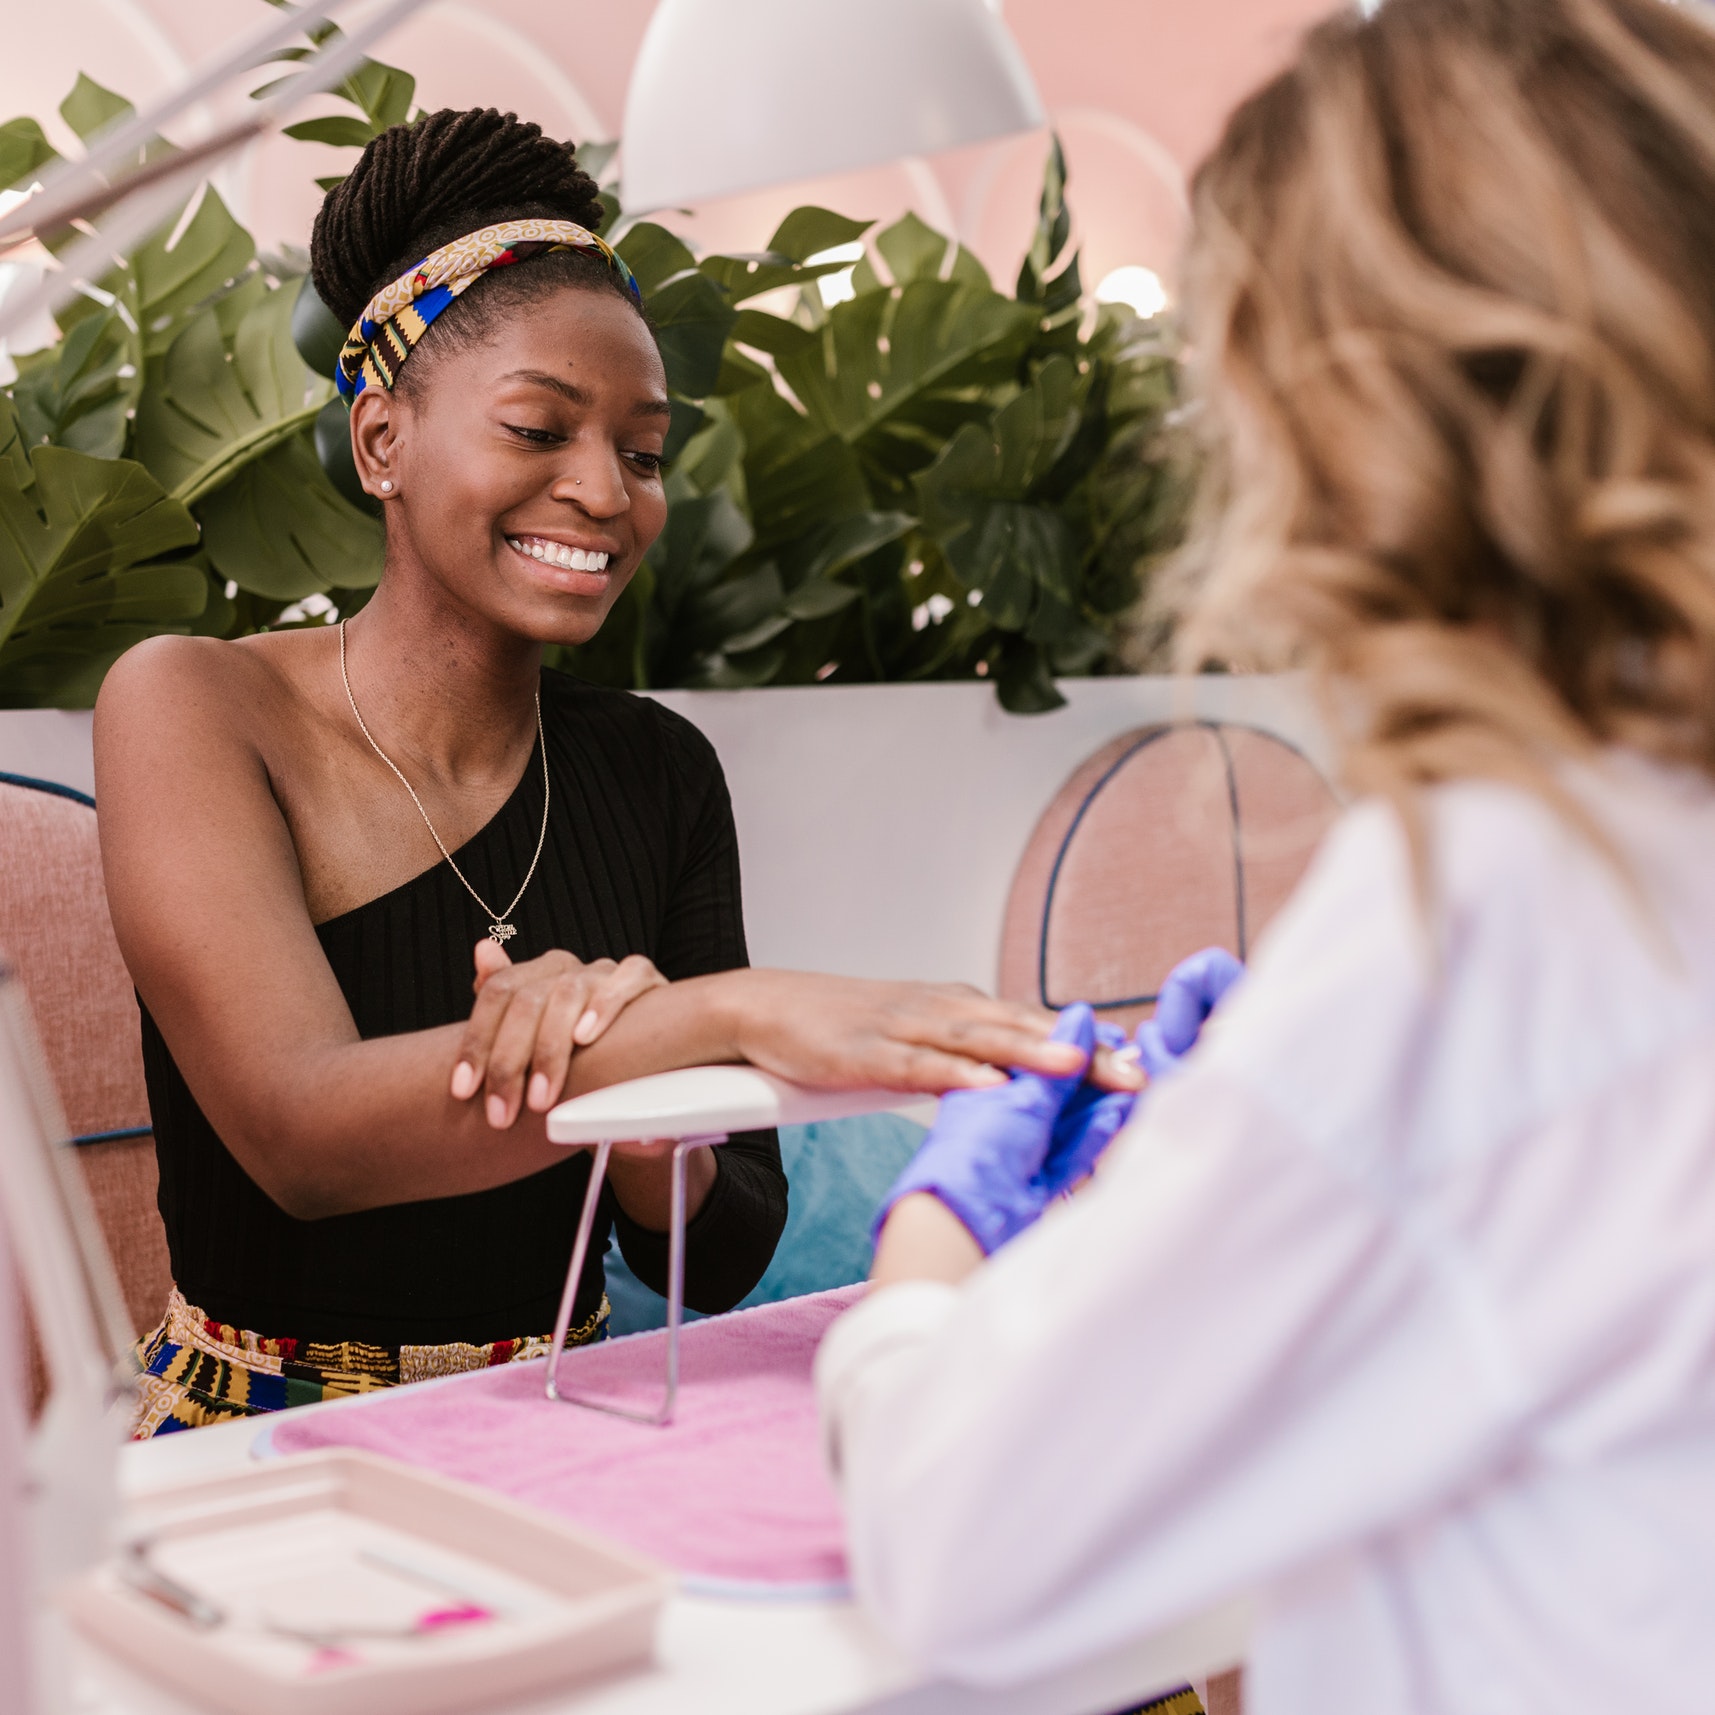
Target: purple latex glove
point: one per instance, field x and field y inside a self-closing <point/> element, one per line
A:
<point x="1089" y="1122"/>
<point x="988" y="1155"/>
<point x="1193" y="990"/>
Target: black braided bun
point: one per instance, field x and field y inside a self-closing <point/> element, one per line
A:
<point x="417" y="187"/>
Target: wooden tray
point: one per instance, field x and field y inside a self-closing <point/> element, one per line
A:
<point x="342" y="1583"/>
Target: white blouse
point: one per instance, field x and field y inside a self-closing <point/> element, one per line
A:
<point x="1396" y="1307"/>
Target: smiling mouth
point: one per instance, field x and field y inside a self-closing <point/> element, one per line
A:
<point x="558" y="554"/>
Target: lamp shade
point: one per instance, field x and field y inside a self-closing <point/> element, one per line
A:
<point x="731" y="95"/>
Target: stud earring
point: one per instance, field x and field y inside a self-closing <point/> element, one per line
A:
<point x="387" y="488"/>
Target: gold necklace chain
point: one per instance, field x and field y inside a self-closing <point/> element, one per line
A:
<point x="499" y="930"/>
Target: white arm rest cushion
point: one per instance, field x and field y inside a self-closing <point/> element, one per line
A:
<point x="700" y="1101"/>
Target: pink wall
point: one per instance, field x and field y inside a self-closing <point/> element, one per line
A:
<point x="1137" y="88"/>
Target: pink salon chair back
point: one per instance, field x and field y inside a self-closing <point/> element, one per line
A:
<point x="56" y="933"/>
<point x="1168" y="839"/>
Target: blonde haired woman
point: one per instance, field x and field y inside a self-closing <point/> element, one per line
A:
<point x="1396" y="1304"/>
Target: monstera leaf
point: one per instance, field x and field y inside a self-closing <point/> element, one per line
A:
<point x="210" y="410"/>
<point x="692" y="319"/>
<point x="279" y="529"/>
<point x="212" y="252"/>
<point x="799" y="589"/>
<point x="90" y="108"/>
<point x="82" y="569"/>
<point x="179" y="267"/>
<point x="804" y="233"/>
<point x="382" y="94"/>
<point x="78" y="394"/>
<point x="979" y="501"/>
<point x="689" y="311"/>
<point x="23" y="148"/>
<point x="797" y="476"/>
<point x="884" y="354"/>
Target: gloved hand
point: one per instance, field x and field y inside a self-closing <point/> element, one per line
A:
<point x="1193" y="990"/>
<point x="1088" y="1123"/>
<point x="998" y="1156"/>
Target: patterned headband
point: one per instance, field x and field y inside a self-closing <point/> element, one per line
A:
<point x="399" y="315"/>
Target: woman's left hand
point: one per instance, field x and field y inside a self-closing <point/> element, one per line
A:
<point x="530" y="1018"/>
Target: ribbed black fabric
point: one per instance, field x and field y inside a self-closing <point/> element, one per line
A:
<point x="641" y="857"/>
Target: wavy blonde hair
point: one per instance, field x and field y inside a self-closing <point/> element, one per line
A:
<point x="1451" y="302"/>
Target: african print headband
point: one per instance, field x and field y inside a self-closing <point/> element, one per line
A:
<point x="399" y="315"/>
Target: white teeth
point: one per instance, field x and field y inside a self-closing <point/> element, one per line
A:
<point x="556" y="554"/>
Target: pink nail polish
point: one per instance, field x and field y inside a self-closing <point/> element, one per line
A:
<point x="539" y="1092"/>
<point x="585" y="1029"/>
<point x="464" y="1081"/>
<point x="497" y="1112"/>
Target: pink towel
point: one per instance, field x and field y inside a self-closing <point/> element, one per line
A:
<point x="731" y="1492"/>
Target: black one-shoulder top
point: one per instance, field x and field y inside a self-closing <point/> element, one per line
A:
<point x="641" y="857"/>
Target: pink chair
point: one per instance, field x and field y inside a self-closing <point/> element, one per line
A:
<point x="57" y="935"/>
<point x="1167" y="839"/>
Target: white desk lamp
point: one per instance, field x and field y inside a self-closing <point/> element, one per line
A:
<point x="699" y="1107"/>
<point x="730" y="95"/>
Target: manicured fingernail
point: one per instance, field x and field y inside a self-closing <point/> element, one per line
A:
<point x="985" y="1075"/>
<point x="586" y="1028"/>
<point x="497" y="1112"/>
<point x="464" y="1080"/>
<point x="539" y="1091"/>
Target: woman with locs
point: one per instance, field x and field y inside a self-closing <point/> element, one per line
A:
<point x="305" y="833"/>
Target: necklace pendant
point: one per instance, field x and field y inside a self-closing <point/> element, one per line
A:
<point x="501" y="933"/>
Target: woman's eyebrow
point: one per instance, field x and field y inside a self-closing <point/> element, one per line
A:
<point x="657" y="406"/>
<point x="541" y="378"/>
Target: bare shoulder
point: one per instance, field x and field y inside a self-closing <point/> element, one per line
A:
<point x="191" y="701"/>
<point x="166" y="680"/>
<point x="181" y="739"/>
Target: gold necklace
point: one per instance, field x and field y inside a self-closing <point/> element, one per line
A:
<point x="499" y="930"/>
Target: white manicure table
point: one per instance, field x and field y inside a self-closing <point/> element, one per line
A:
<point x="721" y="1657"/>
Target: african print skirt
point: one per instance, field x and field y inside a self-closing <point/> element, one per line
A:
<point x="1184" y="1701"/>
<point x="193" y="1371"/>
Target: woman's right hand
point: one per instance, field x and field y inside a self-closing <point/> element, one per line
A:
<point x="530" y="1019"/>
<point x="851" y="1033"/>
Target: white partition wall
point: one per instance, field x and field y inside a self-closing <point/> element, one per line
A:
<point x="880" y="825"/>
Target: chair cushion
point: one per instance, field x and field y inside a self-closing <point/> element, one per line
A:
<point x="57" y="935"/>
<point x="1168" y="839"/>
